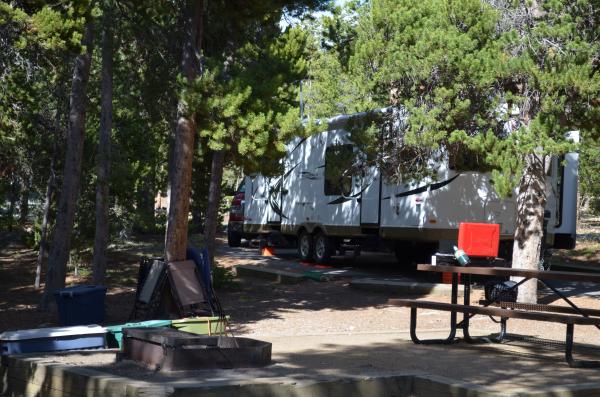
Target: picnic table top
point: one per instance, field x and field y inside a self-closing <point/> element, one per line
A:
<point x="507" y="272"/>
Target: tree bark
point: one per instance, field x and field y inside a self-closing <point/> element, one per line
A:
<point x="214" y="199"/>
<point x="200" y="170"/>
<point x="183" y="150"/>
<point x="45" y="221"/>
<point x="531" y="202"/>
<point x="24" y="202"/>
<point x="14" y="196"/>
<point x="103" y="167"/>
<point x="145" y="205"/>
<point x="61" y="241"/>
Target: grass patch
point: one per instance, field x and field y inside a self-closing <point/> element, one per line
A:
<point x="589" y="250"/>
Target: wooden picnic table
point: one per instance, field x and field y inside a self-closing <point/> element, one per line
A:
<point x="570" y="315"/>
<point x="509" y="272"/>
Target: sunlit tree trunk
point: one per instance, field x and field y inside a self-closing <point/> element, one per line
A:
<point x="69" y="192"/>
<point x="214" y="199"/>
<point x="531" y="202"/>
<point x="104" y="142"/>
<point x="181" y="172"/>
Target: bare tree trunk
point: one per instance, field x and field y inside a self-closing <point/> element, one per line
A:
<point x="103" y="168"/>
<point x="45" y="221"/>
<point x="61" y="241"/>
<point x="531" y="202"/>
<point x="14" y="196"/>
<point x="24" y="201"/>
<point x="50" y="189"/>
<point x="181" y="172"/>
<point x="145" y="205"/>
<point x="214" y="199"/>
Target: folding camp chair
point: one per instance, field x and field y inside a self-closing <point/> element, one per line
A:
<point x="150" y="286"/>
<point x="187" y="289"/>
<point x="200" y="256"/>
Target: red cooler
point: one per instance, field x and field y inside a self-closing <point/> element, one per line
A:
<point x="479" y="239"/>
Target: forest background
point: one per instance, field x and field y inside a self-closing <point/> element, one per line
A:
<point x="105" y="104"/>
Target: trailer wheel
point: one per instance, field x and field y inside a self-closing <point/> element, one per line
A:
<point x="324" y="248"/>
<point x="306" y="246"/>
<point x="234" y="239"/>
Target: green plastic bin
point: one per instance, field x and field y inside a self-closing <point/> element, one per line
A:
<point x="115" y="332"/>
<point x="201" y="325"/>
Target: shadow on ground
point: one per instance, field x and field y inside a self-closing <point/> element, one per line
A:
<point x="497" y="367"/>
<point x="245" y="302"/>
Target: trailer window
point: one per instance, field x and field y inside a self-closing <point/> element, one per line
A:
<point x="338" y="164"/>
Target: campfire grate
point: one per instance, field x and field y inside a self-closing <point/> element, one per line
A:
<point x="167" y="349"/>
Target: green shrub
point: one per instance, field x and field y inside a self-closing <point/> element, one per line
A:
<point x="28" y="238"/>
<point x="31" y="236"/>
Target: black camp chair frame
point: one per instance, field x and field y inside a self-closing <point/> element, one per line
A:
<point x="149" y="310"/>
<point x="142" y="310"/>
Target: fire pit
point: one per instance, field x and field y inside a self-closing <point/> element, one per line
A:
<point x="166" y="349"/>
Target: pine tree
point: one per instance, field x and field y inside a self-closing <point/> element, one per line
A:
<point x="244" y="102"/>
<point x="101" y="234"/>
<point x="505" y="79"/>
<point x="70" y="188"/>
<point x="38" y="42"/>
<point x="181" y="172"/>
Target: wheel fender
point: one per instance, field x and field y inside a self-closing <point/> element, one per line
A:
<point x="313" y="228"/>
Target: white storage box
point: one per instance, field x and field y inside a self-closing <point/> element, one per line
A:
<point x="53" y="339"/>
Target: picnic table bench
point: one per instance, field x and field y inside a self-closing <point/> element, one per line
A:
<point x="570" y="316"/>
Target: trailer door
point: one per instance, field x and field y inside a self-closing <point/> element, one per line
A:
<point x="370" y="198"/>
<point x="292" y="211"/>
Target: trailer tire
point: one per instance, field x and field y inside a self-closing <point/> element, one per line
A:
<point x="306" y="246"/>
<point x="324" y="248"/>
<point x="234" y="239"/>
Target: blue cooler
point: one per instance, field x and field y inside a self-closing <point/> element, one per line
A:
<point x="81" y="304"/>
<point x="52" y="339"/>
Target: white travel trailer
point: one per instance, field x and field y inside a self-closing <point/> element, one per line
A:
<point x="324" y="210"/>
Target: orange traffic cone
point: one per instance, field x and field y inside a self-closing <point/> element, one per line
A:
<point x="267" y="251"/>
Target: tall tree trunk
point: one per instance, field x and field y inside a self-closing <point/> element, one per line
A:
<point x="14" y="196"/>
<point x="181" y="173"/>
<point x="24" y="201"/>
<point x="145" y="205"/>
<point x="531" y="202"/>
<point x="200" y="170"/>
<point x="46" y="220"/>
<point x="61" y="241"/>
<point x="104" y="142"/>
<point x="50" y="189"/>
<point x="214" y="199"/>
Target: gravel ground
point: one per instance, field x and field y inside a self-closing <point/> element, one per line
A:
<point x="504" y="367"/>
<point x="368" y="338"/>
<point x="330" y="328"/>
<point x="313" y="308"/>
